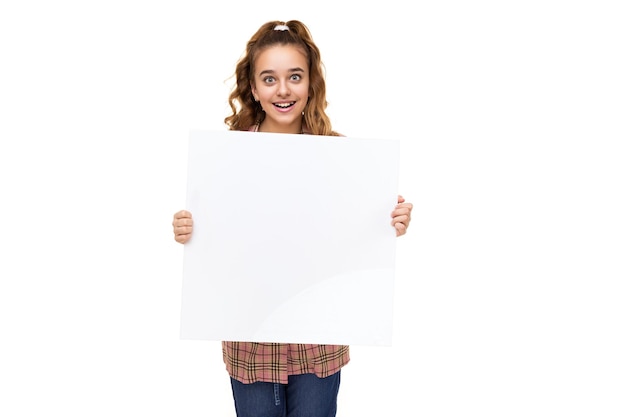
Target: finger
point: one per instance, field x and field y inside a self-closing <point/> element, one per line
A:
<point x="182" y="214"/>
<point x="400" y="229"/>
<point x="401" y="211"/>
<point x="400" y="199"/>
<point x="400" y="219"/>
<point x="182" y="230"/>
<point x="183" y="222"/>
<point x="182" y="238"/>
<point x="408" y="206"/>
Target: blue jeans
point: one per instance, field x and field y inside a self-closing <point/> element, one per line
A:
<point x="304" y="395"/>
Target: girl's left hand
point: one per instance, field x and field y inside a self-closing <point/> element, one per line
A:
<point x="401" y="216"/>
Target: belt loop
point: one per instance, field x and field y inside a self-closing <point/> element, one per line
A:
<point x="277" y="394"/>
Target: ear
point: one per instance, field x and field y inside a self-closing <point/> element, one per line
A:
<point x="253" y="89"/>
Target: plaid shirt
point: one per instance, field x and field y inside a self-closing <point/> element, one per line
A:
<point x="249" y="362"/>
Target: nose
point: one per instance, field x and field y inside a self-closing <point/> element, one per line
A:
<point x="283" y="89"/>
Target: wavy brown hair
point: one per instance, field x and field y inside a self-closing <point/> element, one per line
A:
<point x="246" y="112"/>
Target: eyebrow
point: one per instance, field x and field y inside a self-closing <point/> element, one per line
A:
<point x="291" y="71"/>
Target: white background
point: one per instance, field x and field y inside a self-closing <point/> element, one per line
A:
<point x="509" y="290"/>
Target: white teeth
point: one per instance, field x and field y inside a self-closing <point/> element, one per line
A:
<point x="283" y="105"/>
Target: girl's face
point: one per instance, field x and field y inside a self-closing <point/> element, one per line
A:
<point x="281" y="85"/>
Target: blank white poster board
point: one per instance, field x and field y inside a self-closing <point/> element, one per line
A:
<point x="291" y="240"/>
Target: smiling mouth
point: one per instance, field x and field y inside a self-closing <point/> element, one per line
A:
<point x="284" y="105"/>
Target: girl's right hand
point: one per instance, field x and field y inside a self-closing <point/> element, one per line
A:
<point x="183" y="226"/>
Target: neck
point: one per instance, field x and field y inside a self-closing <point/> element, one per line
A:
<point x="296" y="128"/>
